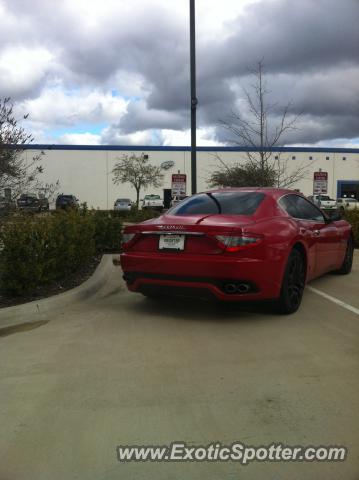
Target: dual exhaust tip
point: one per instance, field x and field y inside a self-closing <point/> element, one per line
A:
<point x="233" y="288"/>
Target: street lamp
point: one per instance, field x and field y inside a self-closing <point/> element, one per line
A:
<point x="194" y="100"/>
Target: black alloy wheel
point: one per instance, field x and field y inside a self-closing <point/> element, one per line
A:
<point x="293" y="283"/>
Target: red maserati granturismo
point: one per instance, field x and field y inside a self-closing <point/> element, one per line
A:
<point x="237" y="244"/>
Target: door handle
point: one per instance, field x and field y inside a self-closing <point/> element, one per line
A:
<point x="316" y="233"/>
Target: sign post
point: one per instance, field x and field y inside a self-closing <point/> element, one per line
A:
<point x="179" y="184"/>
<point x="194" y="100"/>
<point x="320" y="184"/>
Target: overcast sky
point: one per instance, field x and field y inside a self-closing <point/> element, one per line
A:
<point x="117" y="71"/>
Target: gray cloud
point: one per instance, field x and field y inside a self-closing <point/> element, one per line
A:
<point x="139" y="117"/>
<point x="291" y="37"/>
<point x="310" y="49"/>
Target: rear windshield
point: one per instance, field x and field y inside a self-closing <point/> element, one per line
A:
<point x="229" y="203"/>
<point x="123" y="200"/>
<point x="152" y="197"/>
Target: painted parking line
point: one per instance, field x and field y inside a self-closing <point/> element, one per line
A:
<point x="334" y="300"/>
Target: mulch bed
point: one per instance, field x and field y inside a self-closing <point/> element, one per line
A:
<point x="54" y="288"/>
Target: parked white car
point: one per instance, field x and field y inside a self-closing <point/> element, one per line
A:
<point x="347" y="203"/>
<point x="123" y="205"/>
<point x="324" y="201"/>
<point x="153" y="202"/>
<point x="176" y="199"/>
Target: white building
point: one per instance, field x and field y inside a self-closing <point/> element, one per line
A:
<point x="85" y="171"/>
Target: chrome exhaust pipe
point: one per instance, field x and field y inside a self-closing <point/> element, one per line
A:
<point x="243" y="288"/>
<point x="230" y="288"/>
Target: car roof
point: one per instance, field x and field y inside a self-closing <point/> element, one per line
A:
<point x="270" y="191"/>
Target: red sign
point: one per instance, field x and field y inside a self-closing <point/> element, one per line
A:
<point x="179" y="181"/>
<point x="321" y="176"/>
<point x="320" y="183"/>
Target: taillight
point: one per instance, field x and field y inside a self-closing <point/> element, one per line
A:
<point x="234" y="243"/>
<point x="127" y="238"/>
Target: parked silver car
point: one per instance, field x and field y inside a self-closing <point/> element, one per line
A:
<point x="176" y="199"/>
<point x="123" y="205"/>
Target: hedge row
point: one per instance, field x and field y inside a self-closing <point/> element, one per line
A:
<point x="134" y="216"/>
<point x="38" y="250"/>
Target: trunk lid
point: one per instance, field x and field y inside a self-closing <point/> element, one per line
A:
<point x="199" y="232"/>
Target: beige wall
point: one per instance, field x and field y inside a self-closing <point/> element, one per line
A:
<point x="87" y="173"/>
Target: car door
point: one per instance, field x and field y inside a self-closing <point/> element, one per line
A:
<point x="324" y="235"/>
<point x="321" y="237"/>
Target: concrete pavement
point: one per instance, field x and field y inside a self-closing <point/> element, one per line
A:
<point x="122" y="369"/>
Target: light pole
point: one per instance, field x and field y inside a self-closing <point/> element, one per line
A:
<point x="194" y="100"/>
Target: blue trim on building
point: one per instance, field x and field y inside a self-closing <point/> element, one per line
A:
<point x="144" y="148"/>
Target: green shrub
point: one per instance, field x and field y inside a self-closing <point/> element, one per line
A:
<point x="36" y="250"/>
<point x="72" y="241"/>
<point x="135" y="215"/>
<point x="22" y="257"/>
<point x="108" y="231"/>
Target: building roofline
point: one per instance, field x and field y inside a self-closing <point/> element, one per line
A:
<point x="146" y="148"/>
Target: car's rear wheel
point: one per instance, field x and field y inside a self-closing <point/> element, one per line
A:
<point x="348" y="259"/>
<point x="293" y="284"/>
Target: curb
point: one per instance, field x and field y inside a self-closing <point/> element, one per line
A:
<point x="36" y="310"/>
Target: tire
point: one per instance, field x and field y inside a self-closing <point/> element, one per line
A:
<point x="293" y="284"/>
<point x="348" y="259"/>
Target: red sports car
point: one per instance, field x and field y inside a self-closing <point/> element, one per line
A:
<point x="237" y="244"/>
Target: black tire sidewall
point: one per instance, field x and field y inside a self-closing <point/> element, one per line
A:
<point x="284" y="304"/>
<point x="345" y="269"/>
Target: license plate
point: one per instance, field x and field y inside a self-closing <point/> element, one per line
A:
<point x="172" y="242"/>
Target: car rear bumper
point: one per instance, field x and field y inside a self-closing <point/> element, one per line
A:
<point x="210" y="273"/>
<point x="153" y="207"/>
<point x="122" y="209"/>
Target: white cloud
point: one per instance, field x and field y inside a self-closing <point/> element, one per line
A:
<point x="56" y="107"/>
<point x="23" y="68"/>
<point x="79" y="139"/>
<point x="205" y="137"/>
<point x="334" y="143"/>
<point x="216" y="18"/>
<point x="112" y="135"/>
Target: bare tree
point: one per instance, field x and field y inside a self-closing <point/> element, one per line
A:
<point x="136" y="170"/>
<point x="260" y="135"/>
<point x="286" y="177"/>
<point x="49" y="190"/>
<point x="16" y="172"/>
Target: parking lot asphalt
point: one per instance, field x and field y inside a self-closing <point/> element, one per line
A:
<point x="120" y="369"/>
